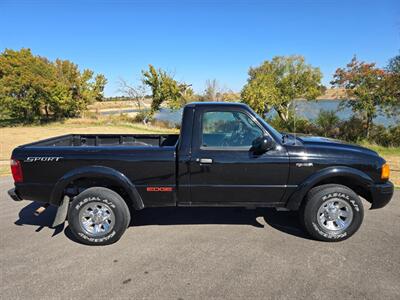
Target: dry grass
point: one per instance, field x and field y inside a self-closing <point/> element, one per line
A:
<point x="392" y="156"/>
<point x="110" y="105"/>
<point x="394" y="162"/>
<point x="10" y="137"/>
<point x="333" y="94"/>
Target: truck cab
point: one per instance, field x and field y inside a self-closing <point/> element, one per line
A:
<point x="219" y="163"/>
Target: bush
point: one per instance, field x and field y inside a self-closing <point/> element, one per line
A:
<point x="395" y="135"/>
<point x="142" y="116"/>
<point x="351" y="130"/>
<point x="328" y="123"/>
<point x="380" y="135"/>
<point x="165" y="124"/>
<point x="298" y="125"/>
<point x="387" y="137"/>
<point x="123" y="118"/>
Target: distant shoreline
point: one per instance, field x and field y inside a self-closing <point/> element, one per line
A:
<point x="330" y="95"/>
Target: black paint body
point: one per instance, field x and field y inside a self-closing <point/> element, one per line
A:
<point x="280" y="177"/>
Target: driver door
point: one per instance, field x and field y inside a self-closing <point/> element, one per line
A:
<point x="223" y="169"/>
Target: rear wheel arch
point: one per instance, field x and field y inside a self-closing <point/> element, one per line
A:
<point x="97" y="176"/>
<point x="78" y="185"/>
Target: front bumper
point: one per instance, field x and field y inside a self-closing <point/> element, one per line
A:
<point x="13" y="194"/>
<point x="381" y="194"/>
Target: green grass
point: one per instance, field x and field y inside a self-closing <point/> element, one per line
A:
<point x="381" y="150"/>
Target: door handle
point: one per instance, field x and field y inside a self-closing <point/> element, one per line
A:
<point x="204" y="160"/>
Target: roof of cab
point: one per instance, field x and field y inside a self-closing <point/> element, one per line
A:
<point x="193" y="104"/>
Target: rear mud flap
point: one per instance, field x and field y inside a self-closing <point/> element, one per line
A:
<point x="62" y="212"/>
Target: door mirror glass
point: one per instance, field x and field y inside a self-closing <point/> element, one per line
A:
<point x="262" y="144"/>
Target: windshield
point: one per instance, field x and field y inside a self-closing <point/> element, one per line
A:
<point x="270" y="129"/>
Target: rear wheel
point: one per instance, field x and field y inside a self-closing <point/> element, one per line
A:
<point x="98" y="216"/>
<point x="332" y="212"/>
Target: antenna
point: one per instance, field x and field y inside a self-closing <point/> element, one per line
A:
<point x="294" y="120"/>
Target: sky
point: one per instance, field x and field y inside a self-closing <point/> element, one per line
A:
<point x="199" y="40"/>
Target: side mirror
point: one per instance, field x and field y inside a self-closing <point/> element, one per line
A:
<point x="262" y="144"/>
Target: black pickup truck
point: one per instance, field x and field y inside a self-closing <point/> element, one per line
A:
<point x="225" y="155"/>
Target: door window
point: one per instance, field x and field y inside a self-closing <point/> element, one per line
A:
<point x="228" y="129"/>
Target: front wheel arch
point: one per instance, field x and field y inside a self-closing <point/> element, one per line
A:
<point x="352" y="178"/>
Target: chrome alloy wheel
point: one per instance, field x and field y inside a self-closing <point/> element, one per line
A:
<point x="335" y="215"/>
<point x="96" y="218"/>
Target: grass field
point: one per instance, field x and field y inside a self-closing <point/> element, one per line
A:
<point x="10" y="137"/>
<point x="14" y="136"/>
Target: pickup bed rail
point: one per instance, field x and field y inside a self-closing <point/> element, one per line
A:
<point x="79" y="140"/>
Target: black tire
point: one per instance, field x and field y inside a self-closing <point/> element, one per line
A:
<point x="105" y="203"/>
<point x="309" y="196"/>
<point x="318" y="199"/>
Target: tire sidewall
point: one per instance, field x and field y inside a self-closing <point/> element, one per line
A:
<point x="313" y="205"/>
<point x="113" y="201"/>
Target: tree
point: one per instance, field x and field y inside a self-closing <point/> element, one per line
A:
<point x="99" y="84"/>
<point x="34" y="88"/>
<point x="230" y="96"/>
<point x="188" y="95"/>
<point x="366" y="89"/>
<point x="212" y="91"/>
<point x="165" y="88"/>
<point x="392" y="86"/>
<point x="82" y="88"/>
<point x="137" y="93"/>
<point x="25" y="84"/>
<point x="275" y="83"/>
<point x="394" y="64"/>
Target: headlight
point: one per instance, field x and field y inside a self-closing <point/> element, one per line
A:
<point x="385" y="171"/>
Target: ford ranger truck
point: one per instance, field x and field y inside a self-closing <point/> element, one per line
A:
<point x="225" y="155"/>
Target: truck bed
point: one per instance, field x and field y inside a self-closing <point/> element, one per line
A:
<point x="86" y="140"/>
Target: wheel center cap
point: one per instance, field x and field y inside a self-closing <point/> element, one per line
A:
<point x="332" y="213"/>
<point x="98" y="218"/>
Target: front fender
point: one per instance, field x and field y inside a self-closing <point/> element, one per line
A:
<point x="96" y="172"/>
<point x="355" y="176"/>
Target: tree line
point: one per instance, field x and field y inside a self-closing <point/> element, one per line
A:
<point x="35" y="88"/>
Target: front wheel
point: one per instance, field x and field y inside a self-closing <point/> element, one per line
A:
<point x="98" y="216"/>
<point x="332" y="213"/>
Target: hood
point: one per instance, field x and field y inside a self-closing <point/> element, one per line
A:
<point x="323" y="142"/>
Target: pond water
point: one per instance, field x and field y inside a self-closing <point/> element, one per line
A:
<point x="305" y="109"/>
<point x="311" y="109"/>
